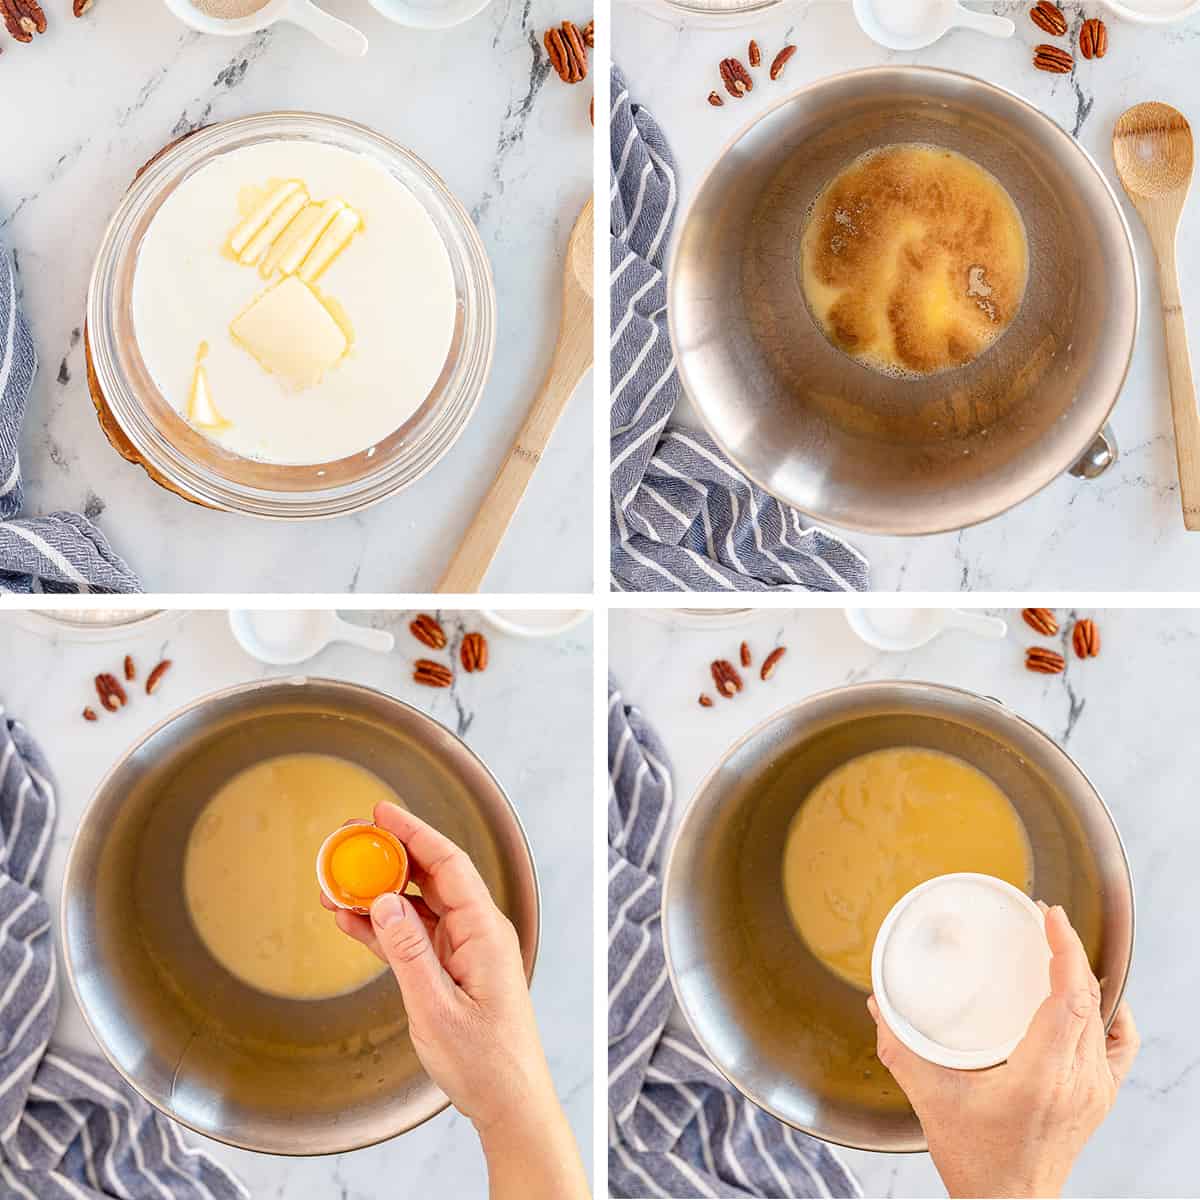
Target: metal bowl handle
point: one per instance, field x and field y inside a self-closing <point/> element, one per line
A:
<point x="1099" y="456"/>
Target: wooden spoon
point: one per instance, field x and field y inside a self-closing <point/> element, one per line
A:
<point x="572" y="357"/>
<point x="1152" y="147"/>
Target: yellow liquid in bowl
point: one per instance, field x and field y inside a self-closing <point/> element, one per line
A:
<point x="250" y="875"/>
<point x="878" y="826"/>
<point x="914" y="260"/>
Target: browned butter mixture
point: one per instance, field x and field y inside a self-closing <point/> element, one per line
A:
<point x="914" y="259"/>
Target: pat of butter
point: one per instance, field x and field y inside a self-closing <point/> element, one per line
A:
<point x="291" y="333"/>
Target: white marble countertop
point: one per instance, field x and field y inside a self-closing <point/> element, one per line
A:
<point x="529" y="717"/>
<point x="1123" y="716"/>
<point x="1122" y="531"/>
<point x="94" y="98"/>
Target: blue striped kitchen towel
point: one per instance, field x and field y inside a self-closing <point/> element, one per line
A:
<point x="676" y="1126"/>
<point x="683" y="517"/>
<point x="63" y="552"/>
<point x="70" y="1129"/>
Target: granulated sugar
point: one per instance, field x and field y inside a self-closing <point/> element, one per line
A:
<point x="229" y="10"/>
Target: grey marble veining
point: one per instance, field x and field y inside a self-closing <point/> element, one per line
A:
<point x="529" y="717"/>
<point x="1126" y="718"/>
<point x="1124" y="531"/>
<point x="95" y="97"/>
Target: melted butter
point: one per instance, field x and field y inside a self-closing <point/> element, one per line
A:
<point x="914" y="260"/>
<point x="250" y="882"/>
<point x="202" y="409"/>
<point x="878" y="826"/>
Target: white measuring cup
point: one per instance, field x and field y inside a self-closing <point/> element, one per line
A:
<point x="922" y="625"/>
<point x="914" y="24"/>
<point x="302" y="634"/>
<point x="335" y="33"/>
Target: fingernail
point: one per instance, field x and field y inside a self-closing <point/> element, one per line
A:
<point x="388" y="909"/>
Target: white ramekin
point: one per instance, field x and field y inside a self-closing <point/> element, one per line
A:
<point x="934" y="1052"/>
<point x="1144" y="18"/>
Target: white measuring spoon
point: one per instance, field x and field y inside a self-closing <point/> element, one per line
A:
<point x="914" y="24"/>
<point x="922" y="626"/>
<point x="303" y="634"/>
<point x="336" y="34"/>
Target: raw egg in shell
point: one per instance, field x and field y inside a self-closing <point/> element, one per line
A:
<point x="359" y="862"/>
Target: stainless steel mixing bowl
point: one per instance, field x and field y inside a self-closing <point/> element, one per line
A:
<point x="793" y="1037"/>
<point x="835" y="438"/>
<point x="253" y="1070"/>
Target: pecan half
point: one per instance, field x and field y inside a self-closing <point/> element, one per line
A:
<point x="90" y="714"/>
<point x="754" y="53"/>
<point x="744" y="652"/>
<point x="155" y="676"/>
<point x="589" y="34"/>
<point x="781" y="60"/>
<point x="473" y="654"/>
<point x="1049" y="18"/>
<point x="1053" y="59"/>
<point x="23" y="18"/>
<point x="576" y="51"/>
<point x="130" y="669"/>
<point x="1086" y="639"/>
<point x="771" y="662"/>
<point x="736" y="78"/>
<point x="1093" y="38"/>
<point x="112" y="694"/>
<point x="427" y="630"/>
<point x="1041" y="620"/>
<point x="432" y="674"/>
<point x="81" y="6"/>
<point x="714" y="98"/>
<point x="728" y="681"/>
<point x="1044" y="661"/>
<point x="556" y="51"/>
<point x="706" y="701"/>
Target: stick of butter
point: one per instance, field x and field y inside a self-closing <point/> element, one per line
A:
<point x="239" y="239"/>
<point x="291" y="333"/>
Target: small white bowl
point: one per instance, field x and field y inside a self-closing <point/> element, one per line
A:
<point x="336" y="34"/>
<point x="1140" y="17"/>
<point x="510" y="622"/>
<point x="310" y="632"/>
<point x="931" y="1051"/>
<point x="947" y="15"/>
<point x="922" y="626"/>
<point x="429" y="14"/>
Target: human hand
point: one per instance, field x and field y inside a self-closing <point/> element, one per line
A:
<point x="458" y="962"/>
<point x="1016" y="1129"/>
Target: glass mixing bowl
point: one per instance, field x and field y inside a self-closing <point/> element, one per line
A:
<point x="181" y="458"/>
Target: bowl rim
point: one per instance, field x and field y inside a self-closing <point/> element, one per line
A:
<point x="197" y="482"/>
<point x="910" y="71"/>
<point x="283" y="682"/>
<point x="671" y="881"/>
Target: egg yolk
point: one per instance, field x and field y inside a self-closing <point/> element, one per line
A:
<point x="364" y="865"/>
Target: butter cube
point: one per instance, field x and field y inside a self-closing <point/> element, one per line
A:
<point x="291" y="333"/>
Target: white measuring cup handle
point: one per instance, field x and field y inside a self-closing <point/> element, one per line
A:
<point x="378" y="640"/>
<point x="977" y="623"/>
<point x="993" y="26"/>
<point x="335" y="33"/>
